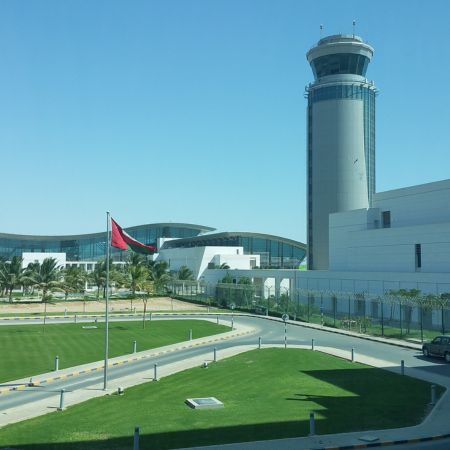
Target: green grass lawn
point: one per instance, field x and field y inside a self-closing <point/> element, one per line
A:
<point x="28" y="350"/>
<point x="267" y="394"/>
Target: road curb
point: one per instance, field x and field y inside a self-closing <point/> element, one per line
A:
<point x="38" y="382"/>
<point x="386" y="443"/>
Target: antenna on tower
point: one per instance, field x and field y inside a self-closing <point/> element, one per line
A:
<point x="321" y="30"/>
<point x="354" y="25"/>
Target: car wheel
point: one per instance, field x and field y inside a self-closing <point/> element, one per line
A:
<point x="447" y="357"/>
<point x="425" y="352"/>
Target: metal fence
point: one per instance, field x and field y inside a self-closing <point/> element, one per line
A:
<point x="402" y="314"/>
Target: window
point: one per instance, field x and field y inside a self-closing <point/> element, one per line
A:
<point x="418" y="256"/>
<point x="386" y="219"/>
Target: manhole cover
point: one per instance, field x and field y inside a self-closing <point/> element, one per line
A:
<point x="203" y="403"/>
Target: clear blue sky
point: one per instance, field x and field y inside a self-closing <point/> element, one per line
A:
<point x="193" y="110"/>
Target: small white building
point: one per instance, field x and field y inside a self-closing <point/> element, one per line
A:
<point x="38" y="257"/>
<point x="199" y="259"/>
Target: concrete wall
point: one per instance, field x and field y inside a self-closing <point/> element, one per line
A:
<point x="198" y="258"/>
<point x="419" y="215"/>
<point x="339" y="178"/>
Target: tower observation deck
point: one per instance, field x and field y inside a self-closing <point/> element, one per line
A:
<point x="341" y="136"/>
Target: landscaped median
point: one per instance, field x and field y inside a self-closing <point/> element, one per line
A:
<point x="267" y="394"/>
<point x="28" y="350"/>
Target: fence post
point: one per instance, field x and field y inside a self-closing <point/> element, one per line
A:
<point x="61" y="400"/>
<point x="136" y="439"/>
<point x="433" y="394"/>
<point x="312" y="427"/>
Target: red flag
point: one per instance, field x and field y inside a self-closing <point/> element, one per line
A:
<point x="121" y="239"/>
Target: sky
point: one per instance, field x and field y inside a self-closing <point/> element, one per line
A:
<point x="193" y="111"/>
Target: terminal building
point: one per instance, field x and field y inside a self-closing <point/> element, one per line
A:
<point x="179" y="244"/>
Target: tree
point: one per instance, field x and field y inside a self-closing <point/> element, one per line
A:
<point x="137" y="272"/>
<point x="159" y="275"/>
<point x="184" y="273"/>
<point x="227" y="278"/>
<point x="74" y="279"/>
<point x="98" y="276"/>
<point x="11" y="275"/>
<point x="149" y="288"/>
<point x="46" y="276"/>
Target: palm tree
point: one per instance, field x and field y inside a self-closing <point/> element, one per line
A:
<point x="184" y="273"/>
<point x="137" y="273"/>
<point x="47" y="277"/>
<point x="11" y="275"/>
<point x="158" y="274"/>
<point x="98" y="277"/>
<point x="74" y="280"/>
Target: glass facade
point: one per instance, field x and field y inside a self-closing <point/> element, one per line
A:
<point x="91" y="247"/>
<point x="275" y="252"/>
<point x="339" y="63"/>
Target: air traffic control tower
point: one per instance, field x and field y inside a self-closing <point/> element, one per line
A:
<point x="340" y="136"/>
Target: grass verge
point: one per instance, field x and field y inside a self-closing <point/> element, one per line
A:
<point x="267" y="394"/>
<point x="30" y="349"/>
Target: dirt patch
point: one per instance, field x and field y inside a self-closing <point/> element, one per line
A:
<point x="154" y="304"/>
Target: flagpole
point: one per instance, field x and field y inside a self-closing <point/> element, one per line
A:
<point x="108" y="242"/>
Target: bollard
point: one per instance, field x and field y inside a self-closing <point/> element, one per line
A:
<point x="190" y="335"/>
<point x="56" y="363"/>
<point x="312" y="427"/>
<point x="217" y="320"/>
<point x="215" y="354"/>
<point x="155" y="373"/>
<point x="150" y="317"/>
<point x="353" y="355"/>
<point x="285" y="335"/>
<point x="259" y="342"/>
<point x="134" y="346"/>
<point x="136" y="439"/>
<point x="433" y="394"/>
<point x="135" y="310"/>
<point x="75" y="318"/>
<point x="402" y="367"/>
<point x="61" y="400"/>
<point x="312" y="344"/>
<point x="65" y="312"/>
<point x="232" y="323"/>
